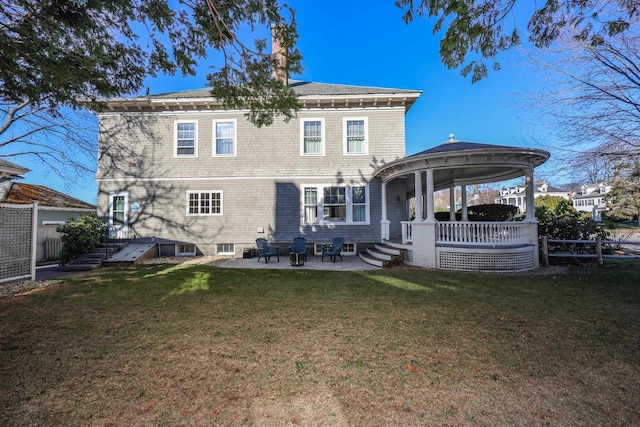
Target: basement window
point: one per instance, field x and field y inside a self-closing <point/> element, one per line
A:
<point x="225" y="249"/>
<point x="185" y="249"/>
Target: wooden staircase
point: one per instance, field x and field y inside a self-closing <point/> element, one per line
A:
<point x="383" y="255"/>
<point x="93" y="258"/>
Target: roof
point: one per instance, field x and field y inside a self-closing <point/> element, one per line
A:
<point x="455" y="146"/>
<point x="311" y="94"/>
<point x="11" y="170"/>
<point x="301" y="88"/>
<point x="459" y="162"/>
<point x="21" y="193"/>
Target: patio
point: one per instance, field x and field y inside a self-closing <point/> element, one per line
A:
<point x="348" y="263"/>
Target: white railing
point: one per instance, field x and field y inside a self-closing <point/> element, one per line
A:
<point x="407" y="232"/>
<point x="119" y="232"/>
<point x="483" y="233"/>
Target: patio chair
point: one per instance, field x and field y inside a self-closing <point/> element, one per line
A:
<point x="299" y="246"/>
<point x="265" y="251"/>
<point x="334" y="250"/>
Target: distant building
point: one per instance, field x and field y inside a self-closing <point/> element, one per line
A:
<point x="591" y="198"/>
<point x="515" y="196"/>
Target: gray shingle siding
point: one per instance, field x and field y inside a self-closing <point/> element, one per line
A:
<point x="260" y="185"/>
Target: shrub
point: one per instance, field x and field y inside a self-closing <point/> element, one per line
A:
<point x="80" y="235"/>
<point x="557" y="219"/>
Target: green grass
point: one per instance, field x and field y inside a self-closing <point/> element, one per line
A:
<point x="199" y="345"/>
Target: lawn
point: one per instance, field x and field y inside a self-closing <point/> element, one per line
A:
<point x="201" y="345"/>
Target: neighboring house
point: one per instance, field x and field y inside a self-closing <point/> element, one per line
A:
<point x="516" y="196"/>
<point x="591" y="198"/>
<point x="179" y="166"/>
<point x="54" y="208"/>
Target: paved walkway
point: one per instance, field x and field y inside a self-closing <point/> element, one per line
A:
<point x="348" y="263"/>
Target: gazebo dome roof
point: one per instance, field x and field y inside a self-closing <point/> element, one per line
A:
<point x="459" y="162"/>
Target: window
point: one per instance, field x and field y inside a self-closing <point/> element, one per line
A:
<point x="312" y="131"/>
<point x="204" y="203"/>
<point x="335" y="204"/>
<point x="224" y="143"/>
<point x="310" y="205"/>
<point x="355" y="136"/>
<point x="185" y="249"/>
<point x="338" y="204"/>
<point x="186" y="139"/>
<point x="359" y="203"/>
<point x="118" y="210"/>
<point x="225" y="249"/>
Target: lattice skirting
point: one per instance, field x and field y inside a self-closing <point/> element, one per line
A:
<point x="487" y="259"/>
<point x="15" y="242"/>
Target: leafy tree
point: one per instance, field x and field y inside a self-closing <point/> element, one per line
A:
<point x="80" y="235"/>
<point x="482" y="29"/>
<point x="58" y="56"/>
<point x="69" y="52"/>
<point x="623" y="200"/>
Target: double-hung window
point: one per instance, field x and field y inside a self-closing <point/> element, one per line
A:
<point x="337" y="204"/>
<point x="312" y="137"/>
<point x="310" y="204"/>
<point x="204" y="202"/>
<point x="356" y="136"/>
<point x="224" y="143"/>
<point x="186" y="139"/>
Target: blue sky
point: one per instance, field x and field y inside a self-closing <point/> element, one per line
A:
<point x="366" y="43"/>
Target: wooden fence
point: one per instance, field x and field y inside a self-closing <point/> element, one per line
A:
<point x="584" y="249"/>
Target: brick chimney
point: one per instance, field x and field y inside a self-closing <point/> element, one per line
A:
<point x="279" y="53"/>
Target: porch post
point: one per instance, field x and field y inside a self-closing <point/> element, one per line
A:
<point x="529" y="197"/>
<point x="430" y="209"/>
<point x="419" y="203"/>
<point x="465" y="217"/>
<point x="424" y="233"/>
<point x="384" y="222"/>
<point x="531" y="215"/>
<point x="452" y="203"/>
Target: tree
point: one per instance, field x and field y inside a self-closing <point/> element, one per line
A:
<point x="65" y="143"/>
<point x="70" y="52"/>
<point x="59" y="56"/>
<point x="593" y="102"/>
<point x="478" y="30"/>
<point x="623" y="200"/>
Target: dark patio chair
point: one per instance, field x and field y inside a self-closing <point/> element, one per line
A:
<point x="334" y="250"/>
<point x="299" y="246"/>
<point x="265" y="251"/>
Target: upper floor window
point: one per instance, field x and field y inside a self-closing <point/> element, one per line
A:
<point x="224" y="138"/>
<point x="186" y="139"/>
<point x="356" y="136"/>
<point x="312" y="134"/>
<point x="204" y="202"/>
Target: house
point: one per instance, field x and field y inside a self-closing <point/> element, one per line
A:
<point x="516" y="196"/>
<point x="591" y="198"/>
<point x="179" y="166"/>
<point x="182" y="168"/>
<point x="53" y="208"/>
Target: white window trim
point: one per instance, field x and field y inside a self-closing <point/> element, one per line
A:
<point x="232" y="252"/>
<point x="320" y="205"/>
<point x="200" y="192"/>
<point x="175" y="140"/>
<point x="235" y="137"/>
<point x="178" y="253"/>
<point x="322" y="136"/>
<point x="54" y="222"/>
<point x="344" y="136"/>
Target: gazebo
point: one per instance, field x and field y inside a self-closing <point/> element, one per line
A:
<point x="458" y="243"/>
